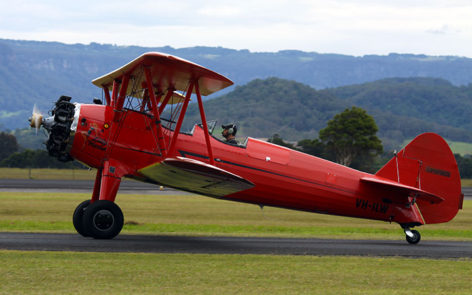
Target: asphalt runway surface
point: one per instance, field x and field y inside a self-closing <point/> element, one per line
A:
<point x="86" y="186"/>
<point x="210" y="245"/>
<point x="234" y="245"/>
<point x="79" y="186"/>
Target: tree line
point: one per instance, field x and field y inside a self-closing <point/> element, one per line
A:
<point x="12" y="155"/>
<point x="349" y="139"/>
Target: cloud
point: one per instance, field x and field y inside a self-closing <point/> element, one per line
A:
<point x="444" y="29"/>
<point x="219" y="11"/>
<point x="342" y="26"/>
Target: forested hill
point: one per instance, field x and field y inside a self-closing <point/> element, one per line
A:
<point x="431" y="100"/>
<point x="39" y="72"/>
<point x="264" y="107"/>
<point x="295" y="111"/>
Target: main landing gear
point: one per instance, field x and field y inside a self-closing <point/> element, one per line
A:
<point x="412" y="236"/>
<point x="100" y="217"/>
<point x="100" y="220"/>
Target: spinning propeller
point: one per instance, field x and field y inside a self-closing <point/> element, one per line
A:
<point x="37" y="120"/>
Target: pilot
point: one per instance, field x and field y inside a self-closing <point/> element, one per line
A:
<point x="229" y="132"/>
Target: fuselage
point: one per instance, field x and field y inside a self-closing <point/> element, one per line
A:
<point x="282" y="177"/>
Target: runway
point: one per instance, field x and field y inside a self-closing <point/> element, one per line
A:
<point x="234" y="245"/>
<point x="86" y="186"/>
<point x="79" y="186"/>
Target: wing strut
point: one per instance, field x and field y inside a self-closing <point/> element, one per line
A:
<point x="155" y="110"/>
<point x="193" y="84"/>
<point x="170" y="92"/>
<point x="114" y="92"/>
<point x="107" y="95"/>
<point x="122" y="95"/>
<point x="181" y="119"/>
<point x="204" y="123"/>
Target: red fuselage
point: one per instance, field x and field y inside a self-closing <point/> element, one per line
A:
<point x="281" y="177"/>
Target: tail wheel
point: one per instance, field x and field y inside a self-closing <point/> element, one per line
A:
<point x="78" y="217"/>
<point x="413" y="236"/>
<point x="103" y="220"/>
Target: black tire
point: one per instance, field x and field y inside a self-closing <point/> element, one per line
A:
<point x="415" y="239"/>
<point x="103" y="220"/>
<point x="77" y="218"/>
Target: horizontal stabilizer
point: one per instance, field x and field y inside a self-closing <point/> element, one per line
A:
<point x="195" y="176"/>
<point x="403" y="190"/>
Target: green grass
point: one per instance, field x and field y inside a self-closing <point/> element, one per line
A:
<point x="36" y="272"/>
<point x="197" y="215"/>
<point x="125" y="273"/>
<point x="466" y="182"/>
<point x="46" y="173"/>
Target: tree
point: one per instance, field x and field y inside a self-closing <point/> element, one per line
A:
<point x="8" y="145"/>
<point x="351" y="135"/>
<point x="313" y="147"/>
<point x="36" y="159"/>
<point x="276" y="139"/>
<point x="465" y="165"/>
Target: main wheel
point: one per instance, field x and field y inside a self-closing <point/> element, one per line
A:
<point x="415" y="239"/>
<point x="77" y="218"/>
<point x="103" y="220"/>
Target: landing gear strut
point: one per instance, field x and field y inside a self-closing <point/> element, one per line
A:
<point x="100" y="217"/>
<point x="412" y="236"/>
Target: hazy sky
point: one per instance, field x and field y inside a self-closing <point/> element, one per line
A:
<point x="355" y="27"/>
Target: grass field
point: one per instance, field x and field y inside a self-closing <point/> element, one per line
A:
<point x="466" y="182"/>
<point x="122" y="273"/>
<point x="197" y="215"/>
<point x="36" y="173"/>
<point x="36" y="272"/>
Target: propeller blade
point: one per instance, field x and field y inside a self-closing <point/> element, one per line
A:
<point x="36" y="118"/>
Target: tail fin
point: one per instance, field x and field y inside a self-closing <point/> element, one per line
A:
<point x="428" y="164"/>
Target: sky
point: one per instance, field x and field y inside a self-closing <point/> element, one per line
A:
<point x="352" y="27"/>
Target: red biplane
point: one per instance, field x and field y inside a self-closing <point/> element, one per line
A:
<point x="128" y="137"/>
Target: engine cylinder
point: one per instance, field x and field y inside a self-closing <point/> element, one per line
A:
<point x="60" y="132"/>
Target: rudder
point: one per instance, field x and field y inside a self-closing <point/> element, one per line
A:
<point x="428" y="163"/>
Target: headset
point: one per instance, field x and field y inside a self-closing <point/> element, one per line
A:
<point x="232" y="129"/>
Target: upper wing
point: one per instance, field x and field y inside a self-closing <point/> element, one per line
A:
<point x="195" y="176"/>
<point x="168" y="72"/>
<point x="405" y="190"/>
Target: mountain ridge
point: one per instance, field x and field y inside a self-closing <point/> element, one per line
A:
<point x="35" y="72"/>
